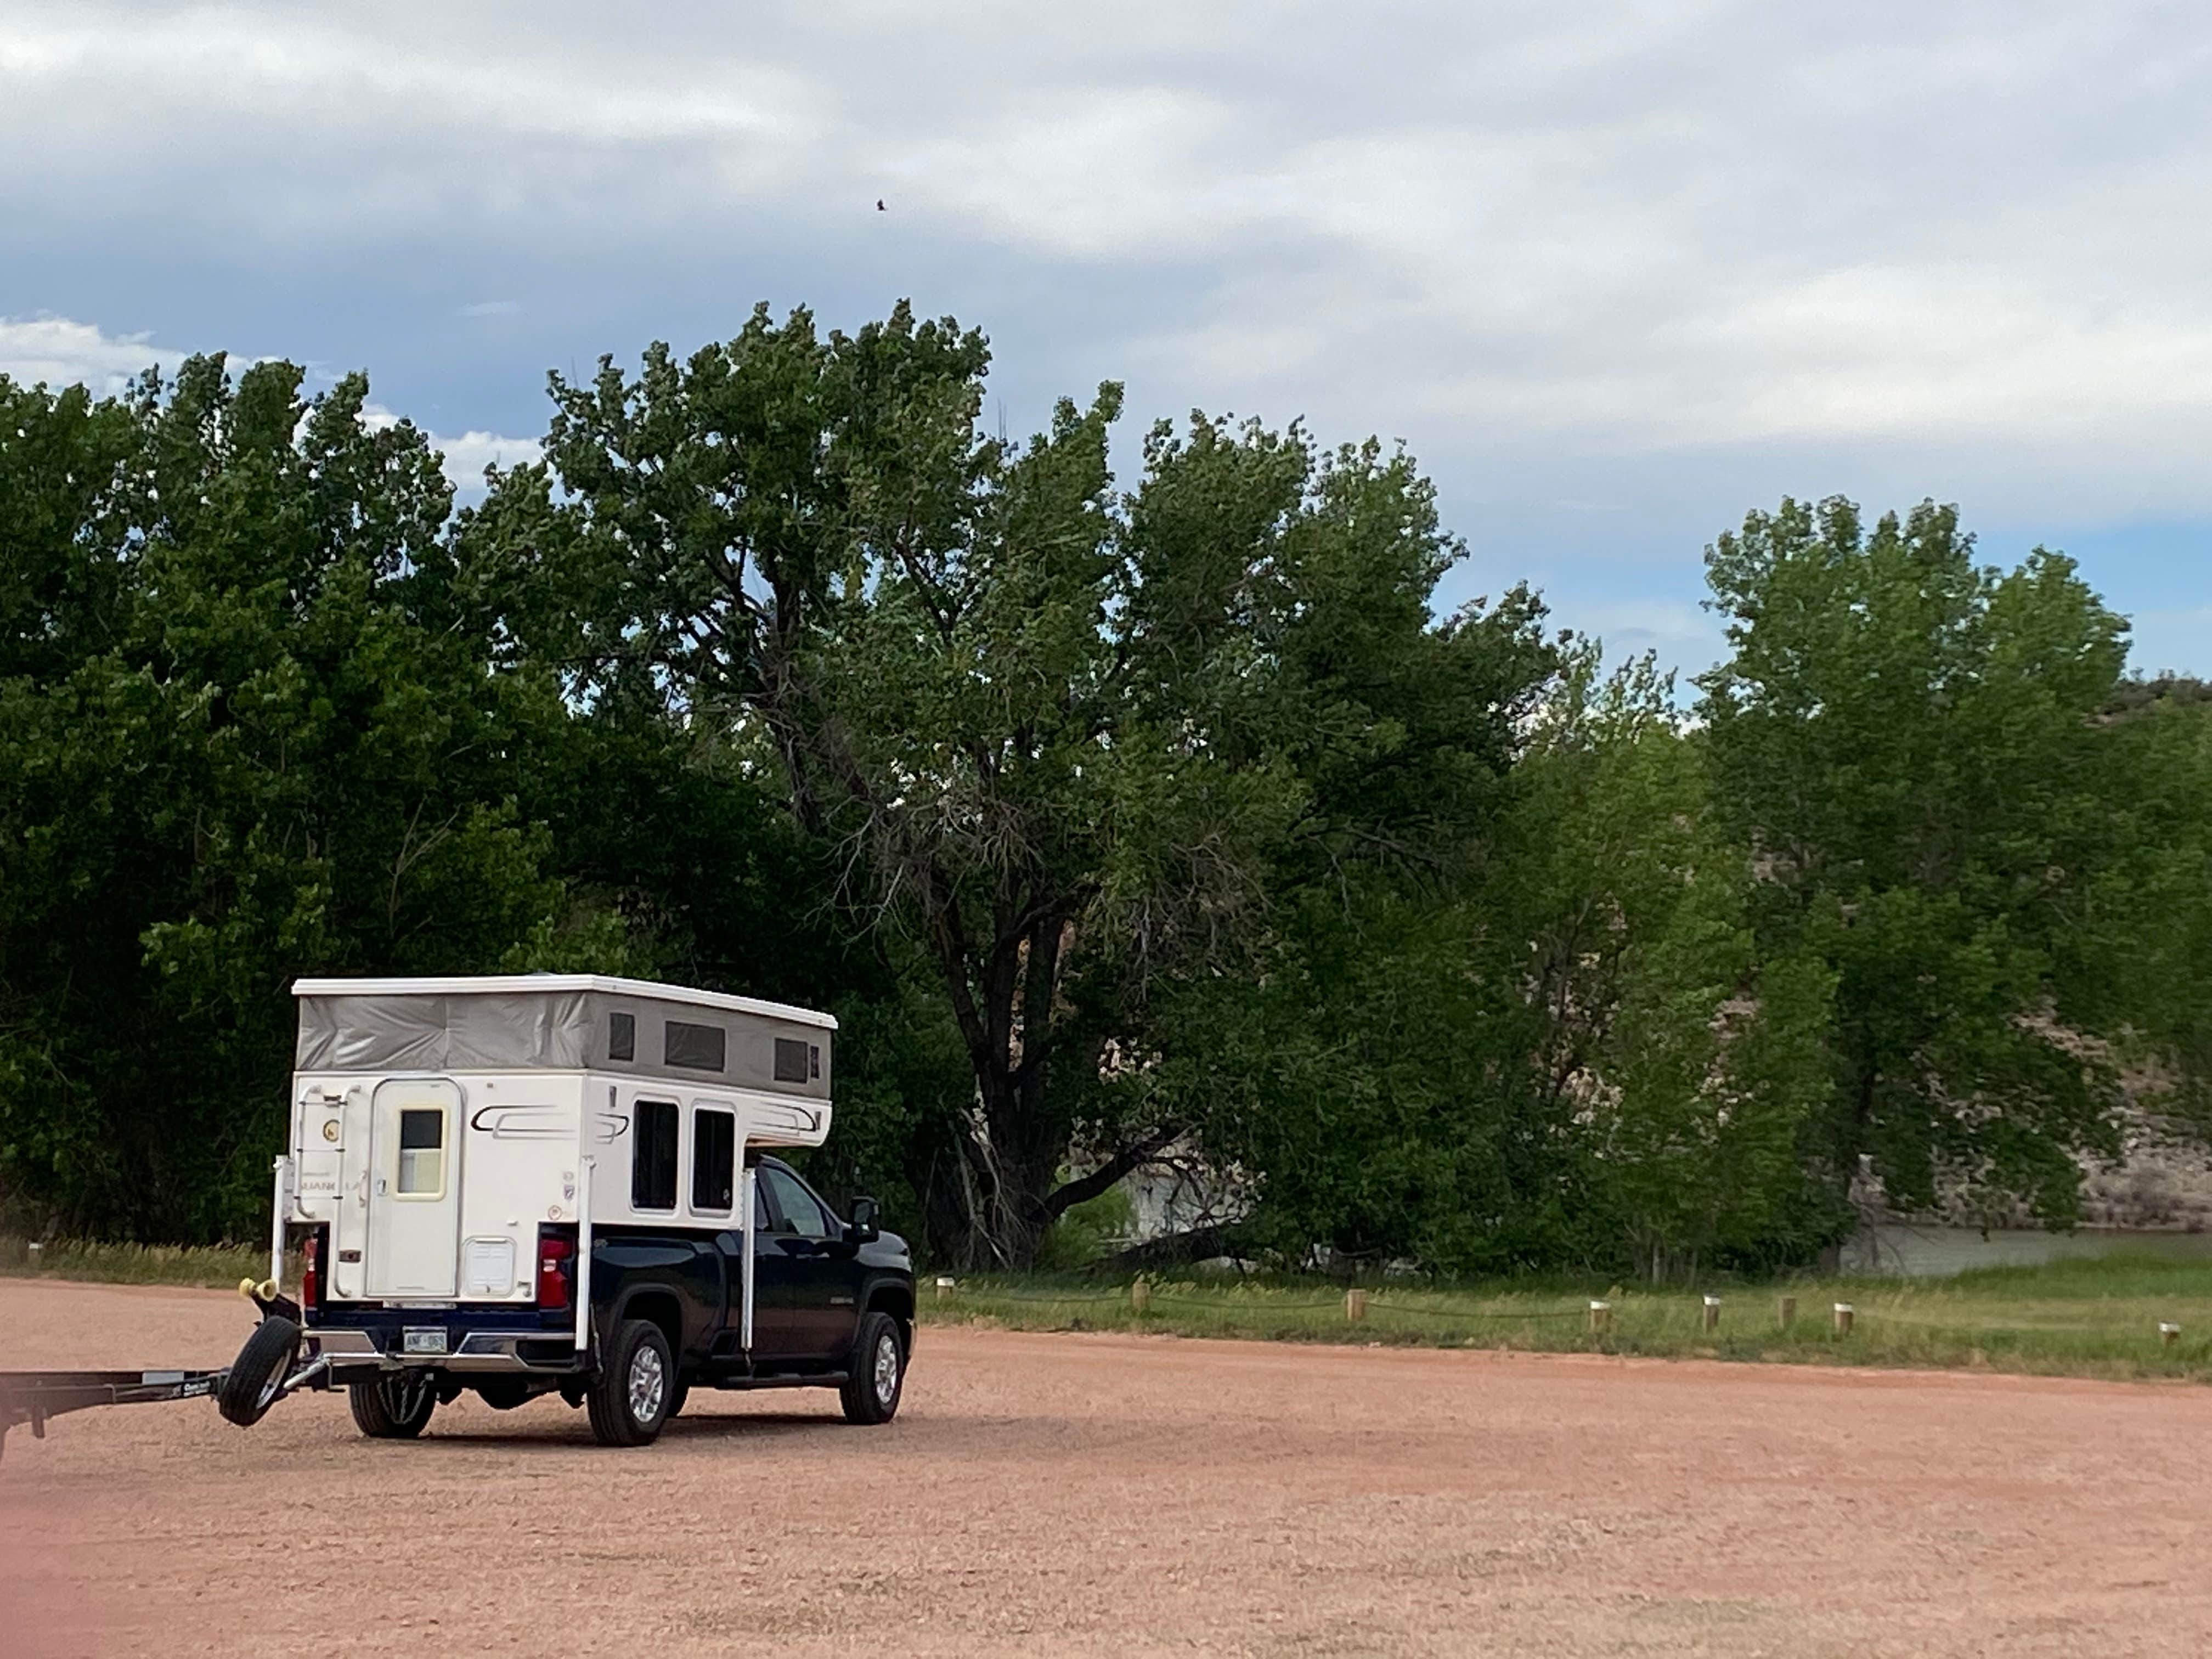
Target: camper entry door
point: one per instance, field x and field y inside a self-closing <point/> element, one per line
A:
<point x="414" y="1188"/>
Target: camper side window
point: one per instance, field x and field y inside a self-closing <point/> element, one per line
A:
<point x="652" y="1156"/>
<point x="422" y="1152"/>
<point x="713" y="1159"/>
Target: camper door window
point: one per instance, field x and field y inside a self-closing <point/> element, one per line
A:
<point x="421" y="1172"/>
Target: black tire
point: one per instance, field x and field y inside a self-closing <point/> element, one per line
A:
<point x="249" y="1388"/>
<point x="630" y="1398"/>
<point x="396" y="1406"/>
<point x="876" y="1378"/>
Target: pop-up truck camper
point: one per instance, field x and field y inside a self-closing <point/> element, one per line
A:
<point x="548" y="1183"/>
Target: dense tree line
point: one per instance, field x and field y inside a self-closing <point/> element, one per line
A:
<point x="1126" y="823"/>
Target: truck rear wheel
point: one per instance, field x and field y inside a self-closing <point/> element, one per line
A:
<point x="630" y="1397"/>
<point x="876" y="1375"/>
<point x="393" y="1408"/>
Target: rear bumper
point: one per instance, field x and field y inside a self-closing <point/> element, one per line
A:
<point x="357" y="1350"/>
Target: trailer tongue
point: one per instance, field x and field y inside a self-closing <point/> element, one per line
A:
<point x="266" y="1369"/>
<point x="34" y="1396"/>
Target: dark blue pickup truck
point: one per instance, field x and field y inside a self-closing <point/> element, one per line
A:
<point x="832" y="1306"/>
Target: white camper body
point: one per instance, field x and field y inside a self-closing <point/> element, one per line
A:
<point x="441" y="1126"/>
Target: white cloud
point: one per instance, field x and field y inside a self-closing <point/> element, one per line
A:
<point x="59" y="352"/>
<point x="1701" y="250"/>
<point x="468" y="453"/>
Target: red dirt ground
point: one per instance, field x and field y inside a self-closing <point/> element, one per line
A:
<point x="1108" y="1494"/>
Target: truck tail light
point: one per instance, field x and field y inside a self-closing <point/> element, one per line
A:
<point x="553" y="1254"/>
<point x="311" y="1274"/>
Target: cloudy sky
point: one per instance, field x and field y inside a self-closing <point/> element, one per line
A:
<point x="1615" y="271"/>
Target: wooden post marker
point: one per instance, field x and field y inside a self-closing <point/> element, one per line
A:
<point x="1600" y="1315"/>
<point x="1842" y="1319"/>
<point x="35" y="1251"/>
<point x="1712" y="1313"/>
<point x="1141" y="1295"/>
<point x="1785" y="1311"/>
<point x="2168" y="1334"/>
<point x="1355" y="1305"/>
<point x="944" y="1289"/>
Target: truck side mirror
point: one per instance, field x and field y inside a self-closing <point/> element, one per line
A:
<point x="862" y="1229"/>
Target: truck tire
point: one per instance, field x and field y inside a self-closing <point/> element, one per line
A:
<point x="636" y="1383"/>
<point x="249" y="1387"/>
<point x="876" y="1376"/>
<point x="393" y="1408"/>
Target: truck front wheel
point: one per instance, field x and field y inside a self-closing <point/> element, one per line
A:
<point x="877" y="1376"/>
<point x="630" y="1397"/>
<point x="396" y="1406"/>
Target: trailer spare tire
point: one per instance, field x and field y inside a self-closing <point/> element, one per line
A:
<point x="249" y="1387"/>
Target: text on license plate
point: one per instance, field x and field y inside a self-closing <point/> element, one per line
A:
<point x="423" y="1340"/>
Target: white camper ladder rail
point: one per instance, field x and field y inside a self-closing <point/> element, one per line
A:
<point x="584" y="1260"/>
<point x="745" y="1198"/>
<point x="280" y="1208"/>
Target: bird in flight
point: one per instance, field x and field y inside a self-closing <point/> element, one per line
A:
<point x="880" y="205"/>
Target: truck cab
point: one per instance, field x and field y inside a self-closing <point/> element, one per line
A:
<point x="536" y="1184"/>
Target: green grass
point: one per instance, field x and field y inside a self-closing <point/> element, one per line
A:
<point x="2094" y="1316"/>
<point x="2088" y="1317"/>
<point x="218" y="1267"/>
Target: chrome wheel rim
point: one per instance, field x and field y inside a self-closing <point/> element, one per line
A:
<point x="649" y="1383"/>
<point x="887" y="1368"/>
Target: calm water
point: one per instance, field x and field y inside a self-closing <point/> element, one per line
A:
<point x="1932" y="1252"/>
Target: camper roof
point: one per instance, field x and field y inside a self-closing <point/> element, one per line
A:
<point x="527" y="984"/>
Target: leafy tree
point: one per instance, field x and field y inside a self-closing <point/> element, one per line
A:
<point x="1063" y="741"/>
<point x="1575" y="1057"/>
<point x="238" y="743"/>
<point x="1907" y="743"/>
<point x="1692" y="1066"/>
<point x="2138" y="950"/>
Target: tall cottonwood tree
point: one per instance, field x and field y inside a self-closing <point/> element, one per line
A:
<point x="1064" y="738"/>
<point x="1907" y="743"/>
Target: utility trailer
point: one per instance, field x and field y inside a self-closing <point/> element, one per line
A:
<point x="534" y="1184"/>
<point x="33" y="1397"/>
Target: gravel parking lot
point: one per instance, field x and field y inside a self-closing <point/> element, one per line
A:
<point x="1092" y="1494"/>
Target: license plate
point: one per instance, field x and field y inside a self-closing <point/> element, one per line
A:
<point x="415" y="1340"/>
